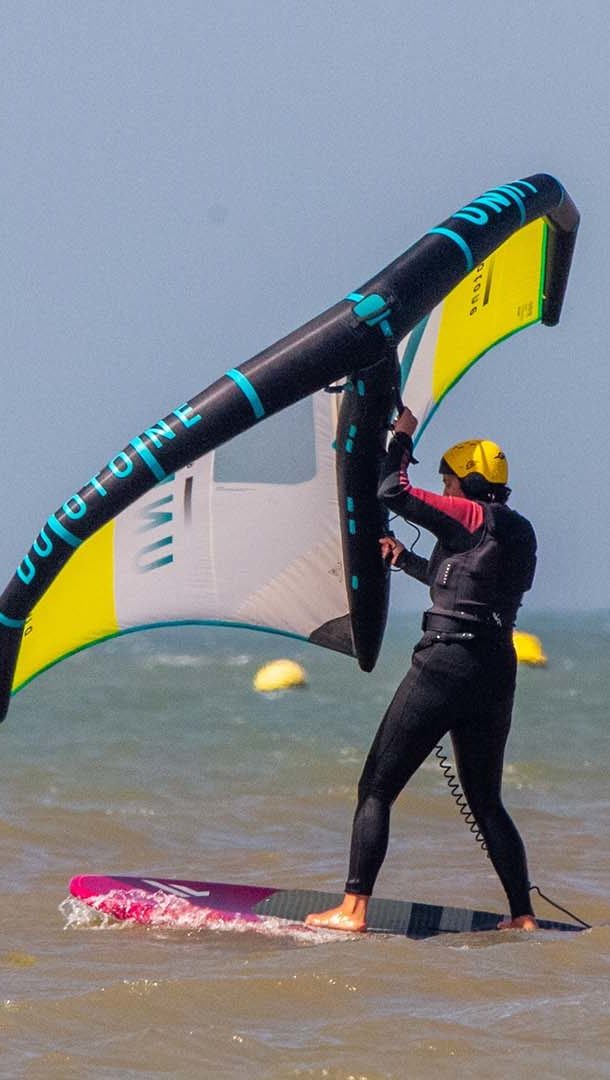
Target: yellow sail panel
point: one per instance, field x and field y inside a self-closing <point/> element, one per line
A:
<point x="77" y="610"/>
<point x="503" y="294"/>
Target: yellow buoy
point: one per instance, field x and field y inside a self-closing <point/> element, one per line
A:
<point x="279" y="675"/>
<point x="529" y="649"/>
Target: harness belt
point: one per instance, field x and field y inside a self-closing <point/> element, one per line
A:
<point x="454" y="625"/>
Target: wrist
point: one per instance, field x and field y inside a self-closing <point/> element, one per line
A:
<point x="405" y="442"/>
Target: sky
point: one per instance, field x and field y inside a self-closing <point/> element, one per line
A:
<point x="185" y="183"/>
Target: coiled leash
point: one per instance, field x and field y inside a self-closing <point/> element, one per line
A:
<point x="465" y="811"/>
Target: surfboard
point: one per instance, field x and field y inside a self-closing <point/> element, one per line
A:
<point x="157" y="901"/>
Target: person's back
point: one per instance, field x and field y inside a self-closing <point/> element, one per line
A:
<point x="485" y="581"/>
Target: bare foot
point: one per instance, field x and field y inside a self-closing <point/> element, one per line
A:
<point x="350" y="915"/>
<point x="522" y="922"/>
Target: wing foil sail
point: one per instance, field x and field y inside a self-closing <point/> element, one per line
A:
<point x="502" y="295"/>
<point x="167" y="532"/>
<point x="199" y="550"/>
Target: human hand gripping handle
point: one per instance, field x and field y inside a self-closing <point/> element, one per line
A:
<point x="391" y="549"/>
<point x="405" y="422"/>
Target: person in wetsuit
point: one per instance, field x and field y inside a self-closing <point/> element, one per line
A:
<point x="462" y="675"/>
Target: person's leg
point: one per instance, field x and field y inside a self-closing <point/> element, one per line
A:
<point x="418" y="716"/>
<point x="479" y="744"/>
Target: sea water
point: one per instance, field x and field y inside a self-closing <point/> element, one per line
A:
<point x="153" y="755"/>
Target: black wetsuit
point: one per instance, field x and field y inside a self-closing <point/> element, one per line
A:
<point x="462" y="676"/>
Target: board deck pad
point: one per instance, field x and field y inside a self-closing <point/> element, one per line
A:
<point x="144" y="900"/>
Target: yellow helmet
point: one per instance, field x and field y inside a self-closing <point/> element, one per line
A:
<point x="480" y="456"/>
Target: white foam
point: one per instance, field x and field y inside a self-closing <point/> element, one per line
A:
<point x="78" y="914"/>
<point x="162" y="911"/>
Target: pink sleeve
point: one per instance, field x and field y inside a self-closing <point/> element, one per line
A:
<point x="463" y="512"/>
